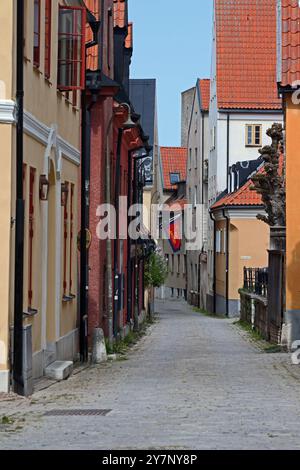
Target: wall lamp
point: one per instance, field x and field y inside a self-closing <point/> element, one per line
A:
<point x="44" y="188"/>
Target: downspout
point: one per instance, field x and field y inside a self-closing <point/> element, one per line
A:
<point x="227" y="261"/>
<point x="116" y="240"/>
<point x="18" y="378"/>
<point x="228" y="152"/>
<point x="84" y="202"/>
<point x="108" y="241"/>
<point x="202" y="150"/>
<point x="85" y="198"/>
<point x="136" y="306"/>
<point x="129" y="261"/>
<point x="215" y="266"/>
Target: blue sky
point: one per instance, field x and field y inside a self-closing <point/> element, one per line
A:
<point x="172" y="43"/>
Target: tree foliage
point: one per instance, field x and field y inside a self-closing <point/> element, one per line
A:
<point x="156" y="270"/>
<point x="271" y="182"/>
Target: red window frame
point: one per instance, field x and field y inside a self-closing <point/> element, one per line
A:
<point x="36" y="32"/>
<point x="71" y="237"/>
<point x="48" y="27"/>
<point x="71" y="61"/>
<point x="31" y="234"/>
<point x="65" y="245"/>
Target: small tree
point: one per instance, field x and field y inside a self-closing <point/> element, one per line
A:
<point x="271" y="183"/>
<point x="156" y="270"/>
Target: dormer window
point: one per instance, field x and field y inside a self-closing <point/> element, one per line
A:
<point x="174" y="178"/>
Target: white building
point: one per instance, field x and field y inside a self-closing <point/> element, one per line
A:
<point x="243" y="95"/>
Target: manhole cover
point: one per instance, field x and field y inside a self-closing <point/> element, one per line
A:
<point x="77" y="413"/>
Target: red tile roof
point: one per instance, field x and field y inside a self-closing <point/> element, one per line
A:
<point x="120" y="13"/>
<point x="242" y="197"/>
<point x="92" y="52"/>
<point x="245" y="196"/>
<point x="290" y="50"/>
<point x="204" y="90"/>
<point x="174" y="160"/>
<point x="246" y="54"/>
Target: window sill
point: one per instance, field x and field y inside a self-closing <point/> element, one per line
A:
<point x="30" y="312"/>
<point x="36" y="69"/>
<point x="253" y="145"/>
<point x="48" y="81"/>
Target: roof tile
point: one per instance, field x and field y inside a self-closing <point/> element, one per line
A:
<point x="204" y="88"/>
<point x="290" y="47"/>
<point x="173" y="161"/>
<point x="246" y="54"/>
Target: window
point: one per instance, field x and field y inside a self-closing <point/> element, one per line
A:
<point x="196" y="157"/>
<point x="71" y="48"/>
<point x="172" y="263"/>
<point x="48" y="13"/>
<point x="224" y="241"/>
<point x="218" y="241"/>
<point x="174" y="178"/>
<point x="195" y="196"/>
<point x="253" y="135"/>
<point x="31" y="235"/>
<point x="37" y="32"/>
<point x="213" y="137"/>
<point x="178" y="264"/>
<point x="190" y="159"/>
<point x="184" y="265"/>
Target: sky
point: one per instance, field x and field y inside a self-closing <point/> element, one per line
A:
<point x="172" y="43"/>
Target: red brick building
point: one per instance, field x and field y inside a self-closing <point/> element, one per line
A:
<point x="111" y="147"/>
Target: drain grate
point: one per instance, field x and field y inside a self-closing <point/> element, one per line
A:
<point x="77" y="413"/>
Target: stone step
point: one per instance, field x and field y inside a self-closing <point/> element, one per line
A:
<point x="59" y="370"/>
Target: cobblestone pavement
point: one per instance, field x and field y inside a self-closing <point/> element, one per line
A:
<point x="192" y="383"/>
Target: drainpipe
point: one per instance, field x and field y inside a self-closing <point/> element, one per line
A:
<point x="85" y="203"/>
<point x="202" y="151"/>
<point x="136" y="263"/>
<point x="18" y="378"/>
<point x="116" y="240"/>
<point x="227" y="261"/>
<point x="215" y="265"/>
<point x="129" y="261"/>
<point x="228" y="152"/>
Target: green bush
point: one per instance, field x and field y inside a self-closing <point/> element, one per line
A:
<point x="156" y="270"/>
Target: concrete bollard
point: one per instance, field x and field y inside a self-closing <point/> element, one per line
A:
<point x="99" y="354"/>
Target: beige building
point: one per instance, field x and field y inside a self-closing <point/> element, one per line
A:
<point x="170" y="178"/>
<point x="197" y="191"/>
<point x="241" y="240"/>
<point x="51" y="157"/>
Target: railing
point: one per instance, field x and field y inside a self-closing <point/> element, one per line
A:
<point x="256" y="281"/>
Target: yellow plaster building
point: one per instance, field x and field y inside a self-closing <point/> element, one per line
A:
<point x="51" y="156"/>
<point x="241" y="240"/>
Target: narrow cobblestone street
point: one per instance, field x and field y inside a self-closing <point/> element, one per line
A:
<point x="192" y="382"/>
